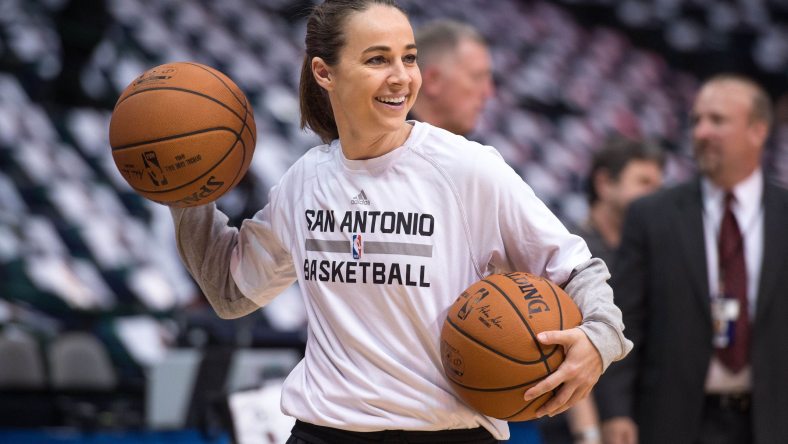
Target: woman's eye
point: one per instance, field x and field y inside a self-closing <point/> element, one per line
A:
<point x="410" y="58"/>
<point x="377" y="60"/>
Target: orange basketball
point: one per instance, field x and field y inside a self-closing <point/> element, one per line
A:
<point x="182" y="134"/>
<point x="488" y="343"/>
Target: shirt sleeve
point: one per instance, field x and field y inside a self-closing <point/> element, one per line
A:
<point x="602" y="320"/>
<point x="262" y="264"/>
<point x="237" y="270"/>
<point x="529" y="237"/>
<point x="205" y="243"/>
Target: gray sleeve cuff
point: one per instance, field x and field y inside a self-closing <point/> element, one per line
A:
<point x="602" y="321"/>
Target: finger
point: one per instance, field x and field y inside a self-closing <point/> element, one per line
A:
<point x="556" y="337"/>
<point x="574" y="399"/>
<point x="568" y="395"/>
<point x="549" y="383"/>
<point x="558" y="411"/>
<point x="562" y="400"/>
<point x="583" y="392"/>
<point x="565" y="372"/>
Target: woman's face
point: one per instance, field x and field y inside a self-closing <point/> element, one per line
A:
<point x="375" y="82"/>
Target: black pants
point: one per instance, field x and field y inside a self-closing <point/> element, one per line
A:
<point x="726" y="420"/>
<point x="305" y="433"/>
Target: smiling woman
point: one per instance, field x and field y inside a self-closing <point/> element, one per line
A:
<point x="383" y="226"/>
<point x="369" y="83"/>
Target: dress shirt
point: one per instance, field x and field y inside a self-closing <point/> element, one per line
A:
<point x="747" y="207"/>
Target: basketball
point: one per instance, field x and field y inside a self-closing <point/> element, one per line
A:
<point x="182" y="134"/>
<point x="489" y="349"/>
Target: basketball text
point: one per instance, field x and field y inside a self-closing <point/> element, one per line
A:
<point x="536" y="303"/>
<point x="386" y="222"/>
<point x="352" y="272"/>
<point x="206" y="190"/>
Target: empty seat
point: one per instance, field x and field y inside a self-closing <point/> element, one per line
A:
<point x="79" y="361"/>
<point x="22" y="363"/>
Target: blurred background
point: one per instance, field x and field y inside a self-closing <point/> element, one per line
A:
<point x="103" y="335"/>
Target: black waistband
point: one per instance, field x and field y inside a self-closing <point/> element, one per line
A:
<point x="740" y="402"/>
<point x="316" y="434"/>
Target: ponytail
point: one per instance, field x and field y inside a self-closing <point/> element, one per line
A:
<point x="316" y="112"/>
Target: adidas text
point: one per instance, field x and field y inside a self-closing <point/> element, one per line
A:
<point x="361" y="199"/>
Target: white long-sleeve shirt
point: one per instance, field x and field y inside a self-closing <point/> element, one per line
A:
<point x="381" y="248"/>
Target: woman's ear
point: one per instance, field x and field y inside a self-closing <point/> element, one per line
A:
<point x="322" y="73"/>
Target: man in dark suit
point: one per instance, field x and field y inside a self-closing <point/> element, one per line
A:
<point x="702" y="281"/>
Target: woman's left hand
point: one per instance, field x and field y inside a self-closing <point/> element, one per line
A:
<point x="576" y="376"/>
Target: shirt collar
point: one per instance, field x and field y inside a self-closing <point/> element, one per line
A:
<point x="748" y="195"/>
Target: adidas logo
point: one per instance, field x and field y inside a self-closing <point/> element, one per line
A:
<point x="361" y="199"/>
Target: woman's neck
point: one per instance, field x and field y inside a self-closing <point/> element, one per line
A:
<point x="358" y="146"/>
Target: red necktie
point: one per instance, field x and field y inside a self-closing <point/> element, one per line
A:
<point x="733" y="275"/>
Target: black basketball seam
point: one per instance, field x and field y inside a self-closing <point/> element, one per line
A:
<point x="246" y="125"/>
<point x="560" y="309"/>
<point x="527" y="325"/>
<point x="219" y="162"/>
<point x="244" y="103"/>
<point x="505" y="356"/>
<point x="219" y="79"/>
<point x="243" y="161"/>
<point x="175" y="136"/>
<point x="238" y="138"/>
<point x="184" y="90"/>
<point x="526" y="406"/>
<point x="497" y="389"/>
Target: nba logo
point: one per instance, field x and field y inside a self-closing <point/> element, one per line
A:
<point x="153" y="168"/>
<point x="357" y="246"/>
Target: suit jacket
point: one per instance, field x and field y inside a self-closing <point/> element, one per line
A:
<point x="661" y="286"/>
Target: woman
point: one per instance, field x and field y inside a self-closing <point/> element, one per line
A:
<point x="382" y="227"/>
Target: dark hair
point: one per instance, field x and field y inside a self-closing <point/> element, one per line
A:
<point x="441" y="36"/>
<point x="761" y="102"/>
<point x="324" y="39"/>
<point x="616" y="154"/>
